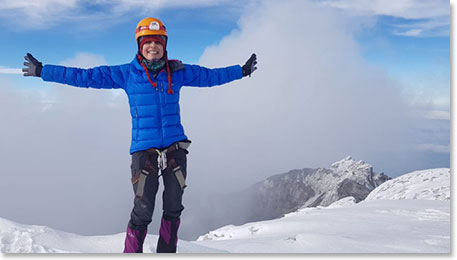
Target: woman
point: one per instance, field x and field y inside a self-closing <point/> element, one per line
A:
<point x="159" y="146"/>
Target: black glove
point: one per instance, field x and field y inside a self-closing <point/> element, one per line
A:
<point x="33" y="66"/>
<point x="250" y="67"/>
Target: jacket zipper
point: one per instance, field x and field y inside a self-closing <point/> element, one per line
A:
<point x="137" y="123"/>
<point x="160" y="113"/>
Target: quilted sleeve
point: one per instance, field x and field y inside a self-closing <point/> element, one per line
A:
<point x="106" y="77"/>
<point x="198" y="76"/>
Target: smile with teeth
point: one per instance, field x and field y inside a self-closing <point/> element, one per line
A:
<point x="153" y="52"/>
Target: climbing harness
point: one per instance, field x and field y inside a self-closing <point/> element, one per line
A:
<point x="165" y="160"/>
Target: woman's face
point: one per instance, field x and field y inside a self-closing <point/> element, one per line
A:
<point x="152" y="50"/>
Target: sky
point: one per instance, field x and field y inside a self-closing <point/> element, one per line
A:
<point x="370" y="79"/>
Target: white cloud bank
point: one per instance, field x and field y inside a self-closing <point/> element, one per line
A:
<point x="312" y="100"/>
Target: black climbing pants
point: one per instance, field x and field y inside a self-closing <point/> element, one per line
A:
<point x="146" y="161"/>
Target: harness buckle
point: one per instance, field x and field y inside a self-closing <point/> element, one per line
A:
<point x="162" y="160"/>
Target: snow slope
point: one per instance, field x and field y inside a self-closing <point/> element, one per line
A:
<point x="19" y="238"/>
<point x="381" y="226"/>
<point x="410" y="214"/>
<point x="432" y="184"/>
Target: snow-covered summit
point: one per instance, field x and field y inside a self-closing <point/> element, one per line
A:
<point x="344" y="178"/>
<point x="349" y="165"/>
<point x="432" y="184"/>
<point x="359" y="171"/>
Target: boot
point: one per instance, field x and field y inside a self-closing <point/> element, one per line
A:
<point x="134" y="240"/>
<point x="168" y="235"/>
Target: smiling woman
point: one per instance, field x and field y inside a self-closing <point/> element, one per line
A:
<point x="159" y="146"/>
<point x="326" y="70"/>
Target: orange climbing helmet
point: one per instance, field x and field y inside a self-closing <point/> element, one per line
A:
<point x="153" y="27"/>
<point x="150" y="26"/>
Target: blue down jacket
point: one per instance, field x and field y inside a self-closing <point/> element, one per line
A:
<point x="156" y="120"/>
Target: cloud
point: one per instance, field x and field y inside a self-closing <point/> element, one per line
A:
<point x="126" y="5"/>
<point x="423" y="17"/>
<point x="99" y="13"/>
<point x="438" y="26"/>
<point x="408" y="9"/>
<point x="35" y="13"/>
<point x="5" y="70"/>
<point x="438" y="115"/>
<point x="84" y="60"/>
<point x="444" y="149"/>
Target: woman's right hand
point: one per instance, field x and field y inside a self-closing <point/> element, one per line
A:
<point x="32" y="66"/>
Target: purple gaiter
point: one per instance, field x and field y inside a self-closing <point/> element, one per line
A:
<point x="134" y="240"/>
<point x="168" y="238"/>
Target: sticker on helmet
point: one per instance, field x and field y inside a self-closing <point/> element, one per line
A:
<point x="154" y="26"/>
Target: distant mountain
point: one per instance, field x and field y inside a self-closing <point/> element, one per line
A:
<point x="284" y="193"/>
